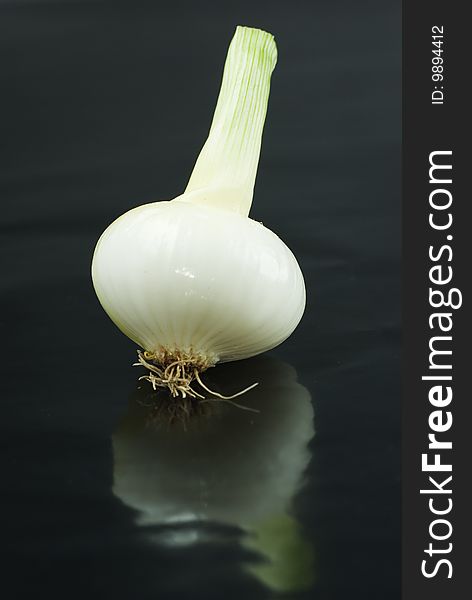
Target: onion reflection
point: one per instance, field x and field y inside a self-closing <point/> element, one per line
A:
<point x="231" y="467"/>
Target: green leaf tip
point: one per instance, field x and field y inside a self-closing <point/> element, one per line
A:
<point x="225" y="171"/>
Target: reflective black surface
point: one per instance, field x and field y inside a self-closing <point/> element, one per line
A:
<point x="105" y="106"/>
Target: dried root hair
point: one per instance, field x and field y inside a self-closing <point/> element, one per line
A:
<point x="179" y="373"/>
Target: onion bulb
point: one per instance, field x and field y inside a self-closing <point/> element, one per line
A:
<point x="194" y="281"/>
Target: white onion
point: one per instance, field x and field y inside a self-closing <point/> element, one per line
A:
<point x="194" y="281"/>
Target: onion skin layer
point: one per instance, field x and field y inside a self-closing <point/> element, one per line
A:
<point x="177" y="276"/>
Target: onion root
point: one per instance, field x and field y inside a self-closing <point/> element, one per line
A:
<point x="176" y="371"/>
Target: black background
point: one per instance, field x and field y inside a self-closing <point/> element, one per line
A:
<point x="105" y="106"/>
